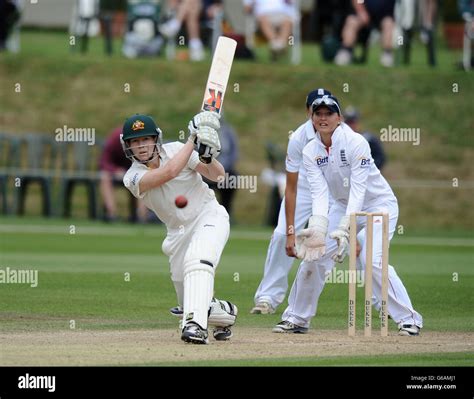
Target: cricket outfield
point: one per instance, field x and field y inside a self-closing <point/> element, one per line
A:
<point x="103" y="292"/>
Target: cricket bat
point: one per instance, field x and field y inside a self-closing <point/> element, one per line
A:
<point x="217" y="83"/>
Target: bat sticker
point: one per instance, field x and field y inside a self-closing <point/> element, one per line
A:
<point x="214" y="102"/>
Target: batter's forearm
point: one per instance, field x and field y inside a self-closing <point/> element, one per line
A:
<point x="214" y="170"/>
<point x="180" y="160"/>
<point x="157" y="177"/>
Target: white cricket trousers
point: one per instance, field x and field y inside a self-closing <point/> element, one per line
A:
<point x="274" y="284"/>
<point x="310" y="278"/>
<point x="210" y="231"/>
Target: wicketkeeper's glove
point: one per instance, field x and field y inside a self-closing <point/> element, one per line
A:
<point x="311" y="242"/>
<point x="341" y="235"/>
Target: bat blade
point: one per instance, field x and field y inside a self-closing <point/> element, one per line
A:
<point x="219" y="75"/>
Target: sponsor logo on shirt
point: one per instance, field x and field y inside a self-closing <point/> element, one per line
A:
<point x="322" y="161"/>
<point x="364" y="162"/>
<point x="134" y="179"/>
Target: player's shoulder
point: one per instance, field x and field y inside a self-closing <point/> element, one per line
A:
<point x="300" y="133"/>
<point x="353" y="137"/>
<point x="172" y="148"/>
<point x="310" y="148"/>
<point x="136" y="166"/>
<point x="135" y="170"/>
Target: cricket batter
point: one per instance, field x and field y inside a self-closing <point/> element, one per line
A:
<point x="338" y="162"/>
<point x="295" y="211"/>
<point x="196" y="233"/>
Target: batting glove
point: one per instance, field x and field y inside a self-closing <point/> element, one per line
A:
<point x="204" y="118"/>
<point x="341" y="235"/>
<point x="311" y="242"/>
<point x="209" y="137"/>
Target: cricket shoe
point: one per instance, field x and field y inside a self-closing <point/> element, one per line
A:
<point x="196" y="50"/>
<point x="387" y="60"/>
<point x="343" y="57"/>
<point x="262" y="308"/>
<point x="408" y="330"/>
<point x="194" y="334"/>
<point x="286" y="326"/>
<point x="222" y="333"/>
<point x="177" y="311"/>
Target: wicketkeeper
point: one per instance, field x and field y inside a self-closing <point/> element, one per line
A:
<point x="339" y="165"/>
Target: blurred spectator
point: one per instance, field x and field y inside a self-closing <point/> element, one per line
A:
<point x="211" y="8"/>
<point x="113" y="164"/>
<point x="328" y="20"/>
<point x="428" y="18"/>
<point x="9" y="16"/>
<point x="186" y="12"/>
<point x="466" y="6"/>
<point x="405" y="16"/>
<point x="275" y="19"/>
<point x="228" y="158"/>
<point x="141" y="38"/>
<point x="352" y="117"/>
<point x="374" y="14"/>
<point x="466" y="9"/>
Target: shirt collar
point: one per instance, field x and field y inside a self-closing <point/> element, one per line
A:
<point x="336" y="136"/>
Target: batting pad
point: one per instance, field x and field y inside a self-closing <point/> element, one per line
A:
<point x="222" y="313"/>
<point x="198" y="290"/>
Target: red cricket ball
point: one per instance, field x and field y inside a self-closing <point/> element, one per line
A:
<point x="181" y="201"/>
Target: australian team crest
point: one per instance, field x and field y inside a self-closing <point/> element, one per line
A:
<point x="138" y="125"/>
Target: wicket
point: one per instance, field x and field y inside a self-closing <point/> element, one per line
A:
<point x="368" y="273"/>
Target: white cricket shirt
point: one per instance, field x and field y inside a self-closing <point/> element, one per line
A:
<point x="347" y="171"/>
<point x="161" y="199"/>
<point x="294" y="155"/>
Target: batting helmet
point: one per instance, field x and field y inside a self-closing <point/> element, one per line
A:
<point x="136" y="126"/>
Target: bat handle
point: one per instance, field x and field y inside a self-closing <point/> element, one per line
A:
<point x="204" y="154"/>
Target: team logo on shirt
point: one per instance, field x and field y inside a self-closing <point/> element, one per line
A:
<point x="364" y="162"/>
<point x="322" y="161"/>
<point x="343" y="158"/>
<point x="138" y="125"/>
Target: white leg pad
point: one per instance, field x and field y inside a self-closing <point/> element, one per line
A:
<point x="198" y="290"/>
<point x="222" y="313"/>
